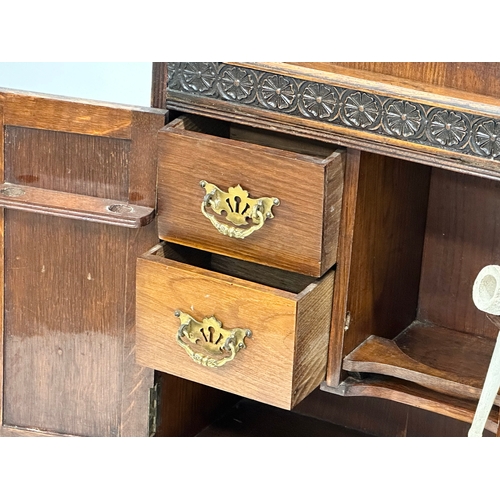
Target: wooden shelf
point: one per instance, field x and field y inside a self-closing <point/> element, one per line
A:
<point x="74" y="206"/>
<point x="400" y="391"/>
<point x="444" y="360"/>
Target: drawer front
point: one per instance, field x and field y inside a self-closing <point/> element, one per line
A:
<point x="299" y="234"/>
<point x="285" y="356"/>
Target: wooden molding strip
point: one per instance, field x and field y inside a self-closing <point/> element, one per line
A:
<point x="74" y="206"/>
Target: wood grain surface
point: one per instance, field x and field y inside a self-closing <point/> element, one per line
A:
<point x="384" y="260"/>
<point x="265" y="369"/>
<point x="80" y="116"/>
<point x="462" y="236"/>
<point x="186" y="408"/>
<point x="51" y="159"/>
<point x="444" y="360"/>
<point x="412" y="394"/>
<point x="74" y="206"/>
<point x="68" y="351"/>
<point x="473" y="77"/>
<point x="382" y="417"/>
<point x="63" y="325"/>
<point x="294" y="239"/>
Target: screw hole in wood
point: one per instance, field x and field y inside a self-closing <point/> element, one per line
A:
<point x="120" y="209"/>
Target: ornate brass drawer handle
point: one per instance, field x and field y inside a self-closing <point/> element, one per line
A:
<point x="210" y="337"/>
<point x="238" y="207"/>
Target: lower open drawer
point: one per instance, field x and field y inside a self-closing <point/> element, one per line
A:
<point x="243" y="328"/>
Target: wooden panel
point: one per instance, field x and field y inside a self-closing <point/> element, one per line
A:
<point x="475" y="77"/>
<point x="159" y="85"/>
<point x="264" y="370"/>
<point x="343" y="269"/>
<point x="69" y="345"/>
<point x="53" y="160"/>
<point x="63" y="324"/>
<point x="462" y="236"/>
<point x="136" y="380"/>
<point x="312" y="335"/>
<point x="332" y="208"/>
<point x="25" y="109"/>
<point x="143" y="158"/>
<point x="186" y="407"/>
<point x="298" y="181"/>
<point x="386" y="253"/>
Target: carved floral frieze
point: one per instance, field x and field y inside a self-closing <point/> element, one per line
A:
<point x="349" y="108"/>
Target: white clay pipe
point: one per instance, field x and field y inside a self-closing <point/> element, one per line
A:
<point x="486" y="297"/>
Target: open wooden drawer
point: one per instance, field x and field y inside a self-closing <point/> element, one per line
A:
<point x="420" y="236"/>
<point x="192" y="320"/>
<point x="254" y="195"/>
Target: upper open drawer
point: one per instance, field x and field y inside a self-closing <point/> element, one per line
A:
<point x="254" y="195"/>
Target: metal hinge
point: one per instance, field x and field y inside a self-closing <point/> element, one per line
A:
<point x="347" y="322"/>
<point x="154" y="394"/>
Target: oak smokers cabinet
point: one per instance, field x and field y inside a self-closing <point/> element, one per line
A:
<point x="324" y="222"/>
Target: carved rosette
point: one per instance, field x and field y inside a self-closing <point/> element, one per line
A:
<point x="486" y="138"/>
<point x="402" y="118"/>
<point x="361" y="109"/>
<point x="277" y="92"/>
<point x="237" y="84"/>
<point x="198" y="76"/>
<point x="410" y="121"/>
<point x="319" y="100"/>
<point x="448" y="128"/>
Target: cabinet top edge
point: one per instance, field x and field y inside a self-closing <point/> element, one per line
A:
<point x="7" y="93"/>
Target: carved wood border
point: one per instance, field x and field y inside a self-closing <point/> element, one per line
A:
<point x="455" y="128"/>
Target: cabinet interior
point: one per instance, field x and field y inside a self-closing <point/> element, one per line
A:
<point x="421" y="235"/>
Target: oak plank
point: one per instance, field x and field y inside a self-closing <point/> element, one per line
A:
<point x="474" y="77"/>
<point x="343" y="269"/>
<point x="312" y="336"/>
<point x="52" y="159"/>
<point x="63" y="323"/>
<point x="65" y="115"/>
<point x="462" y="236"/>
<point x="143" y="158"/>
<point x="136" y="380"/>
